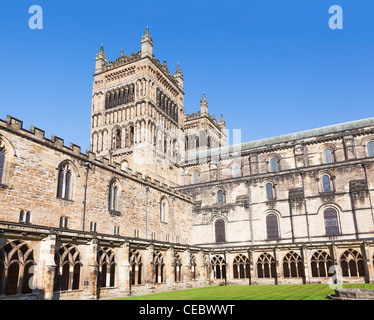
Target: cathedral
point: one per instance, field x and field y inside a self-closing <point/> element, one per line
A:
<point x="161" y="201"/>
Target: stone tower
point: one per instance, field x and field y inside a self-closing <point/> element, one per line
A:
<point x="138" y="113"/>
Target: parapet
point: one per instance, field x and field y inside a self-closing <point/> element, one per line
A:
<point x="37" y="135"/>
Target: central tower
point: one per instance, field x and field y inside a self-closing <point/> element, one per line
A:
<point x="138" y="113"/>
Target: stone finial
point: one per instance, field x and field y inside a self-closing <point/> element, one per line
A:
<point x="204" y="105"/>
<point x="179" y="76"/>
<point x="122" y="54"/>
<point x="147" y="44"/>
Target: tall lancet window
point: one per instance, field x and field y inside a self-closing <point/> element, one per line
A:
<point x="326" y="185"/>
<point x="2" y="164"/>
<point x="113" y="196"/>
<point x="64" y="182"/>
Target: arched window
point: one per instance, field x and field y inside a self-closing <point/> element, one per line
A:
<point x="64" y="183"/>
<point x="136" y="267"/>
<point x="370" y="150"/>
<point x="320" y="264"/>
<point x="272" y="226"/>
<point x="195" y="177"/>
<point x="328" y="156"/>
<point x="269" y="191"/>
<point x="237" y="170"/>
<point x="21" y="217"/>
<point x="159" y="267"/>
<point x="220" y="230"/>
<point x="117" y="141"/>
<point x="331" y="222"/>
<point x="274" y="165"/>
<point x="105" y="260"/>
<point x="293" y="266"/>
<point x="326" y="184"/>
<point x="64" y="222"/>
<point x="16" y="263"/>
<point x="266" y="266"/>
<point x="2" y="164"/>
<point x="68" y="263"/>
<point x="164" y="210"/>
<point x="241" y="267"/>
<point x="113" y="196"/>
<point x="219" y="196"/>
<point x="218" y="265"/>
<point x="177" y="264"/>
<point x="352" y="264"/>
<point x="124" y="165"/>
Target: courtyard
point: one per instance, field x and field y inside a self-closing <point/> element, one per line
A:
<point x="263" y="292"/>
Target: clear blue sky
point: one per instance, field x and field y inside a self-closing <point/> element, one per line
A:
<point x="271" y="67"/>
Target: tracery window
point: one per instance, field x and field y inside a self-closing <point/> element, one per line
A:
<point x="136" y="267"/>
<point x="331" y="222"/>
<point x="218" y="265"/>
<point x="352" y="264"/>
<point x="68" y="269"/>
<point x="107" y="267"/>
<point x="293" y="266"/>
<point x="241" y="267"/>
<point x="266" y="266"/>
<point x="64" y="183"/>
<point x="320" y="264"/>
<point x="220" y="230"/>
<point x="272" y="226"/>
<point x="16" y="268"/>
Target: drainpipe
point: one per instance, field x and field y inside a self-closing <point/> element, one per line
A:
<point x="367" y="183"/>
<point x="172" y="212"/>
<point x="250" y="210"/>
<point x="146" y="211"/>
<point x="87" y="165"/>
<point x="306" y="210"/>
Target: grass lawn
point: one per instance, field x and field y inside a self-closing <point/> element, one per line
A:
<point x="260" y="292"/>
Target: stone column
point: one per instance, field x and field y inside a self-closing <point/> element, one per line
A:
<point x="228" y="263"/>
<point x="48" y="266"/>
<point x="277" y="256"/>
<point x="334" y="257"/>
<point x="305" y="254"/>
<point x="149" y="274"/>
<point x="186" y="265"/>
<point x="251" y="267"/>
<point x="123" y="269"/>
<point x="367" y="260"/>
<point x="91" y="271"/>
<point x="201" y="271"/>
<point x="169" y="265"/>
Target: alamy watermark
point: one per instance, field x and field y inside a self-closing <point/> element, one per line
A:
<point x="36" y="20"/>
